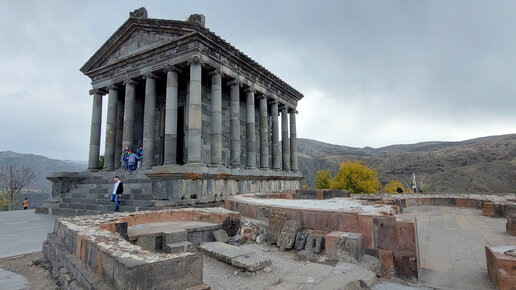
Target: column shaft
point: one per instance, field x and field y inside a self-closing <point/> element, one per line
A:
<point x="96" y="121"/>
<point x="130" y="96"/>
<point x="293" y="141"/>
<point x="195" y="113"/>
<point x="264" y="143"/>
<point x="119" y="132"/>
<point x="149" y="116"/>
<point x="234" y="94"/>
<point x="285" y="142"/>
<point x="276" y="158"/>
<point x="216" y="119"/>
<point x="250" y="131"/>
<point x="109" y="154"/>
<point x="171" y="116"/>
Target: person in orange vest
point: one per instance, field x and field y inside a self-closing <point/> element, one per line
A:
<point x="25" y="203"/>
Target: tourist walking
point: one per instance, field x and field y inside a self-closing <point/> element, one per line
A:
<point x="25" y="203"/>
<point x="133" y="159"/>
<point x="125" y="152"/>
<point x="116" y="194"/>
<point x="139" y="154"/>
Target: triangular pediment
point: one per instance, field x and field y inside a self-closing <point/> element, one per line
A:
<point x="132" y="38"/>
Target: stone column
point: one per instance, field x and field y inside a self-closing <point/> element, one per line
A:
<point x="149" y="116"/>
<point x="195" y="112"/>
<point x="293" y="141"/>
<point x="250" y="130"/>
<point x="285" y="142"/>
<point x="119" y="131"/>
<point x="276" y="161"/>
<point x="234" y="96"/>
<point x="130" y="96"/>
<point x="109" y="153"/>
<point x="96" y="121"/>
<point x="171" y="115"/>
<point x="216" y="118"/>
<point x="264" y="143"/>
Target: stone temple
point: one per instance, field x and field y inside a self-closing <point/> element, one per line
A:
<point x="206" y="114"/>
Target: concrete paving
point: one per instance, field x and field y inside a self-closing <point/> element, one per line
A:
<point x="451" y="245"/>
<point x="23" y="231"/>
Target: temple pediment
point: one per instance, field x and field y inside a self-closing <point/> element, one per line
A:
<point x="138" y="41"/>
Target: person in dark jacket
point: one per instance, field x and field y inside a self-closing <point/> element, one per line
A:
<point x="116" y="194"/>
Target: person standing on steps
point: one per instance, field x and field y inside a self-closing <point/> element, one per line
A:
<point x="116" y="194"/>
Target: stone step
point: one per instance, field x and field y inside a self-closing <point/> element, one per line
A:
<point x="173" y="248"/>
<point x="102" y="207"/>
<point x="104" y="201"/>
<point x="235" y="256"/>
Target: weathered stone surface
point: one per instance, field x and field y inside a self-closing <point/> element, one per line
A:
<point x="300" y="241"/>
<point x="340" y="244"/>
<point x="231" y="226"/>
<point x="121" y="229"/>
<point x="221" y="236"/>
<point x="179" y="247"/>
<point x="249" y="233"/>
<point x="223" y="252"/>
<point x="501" y="268"/>
<point x="288" y="234"/>
<point x="387" y="263"/>
<point x="276" y="222"/>
<point x="260" y="239"/>
<point x="315" y="244"/>
<point x="251" y="262"/>
<point x="175" y="237"/>
<point x="147" y="242"/>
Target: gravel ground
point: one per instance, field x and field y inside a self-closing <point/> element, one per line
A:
<point x="220" y="275"/>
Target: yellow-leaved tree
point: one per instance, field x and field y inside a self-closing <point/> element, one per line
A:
<point x="322" y="179"/>
<point x="356" y="177"/>
<point x="392" y="187"/>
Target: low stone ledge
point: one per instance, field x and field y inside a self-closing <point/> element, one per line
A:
<point x="501" y="268"/>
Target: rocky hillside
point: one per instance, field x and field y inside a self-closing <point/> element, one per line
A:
<point x="39" y="190"/>
<point x="479" y="165"/>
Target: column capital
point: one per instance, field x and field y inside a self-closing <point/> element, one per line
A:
<point x="150" y="76"/>
<point x="263" y="96"/>
<point x="97" y="92"/>
<point x="234" y="82"/>
<point x="195" y="60"/>
<point x="171" y="68"/>
<point x="217" y="71"/>
<point x="283" y="107"/>
<point x="292" y="110"/>
<point x="130" y="82"/>
<point x="273" y="102"/>
<point x="250" y="90"/>
<point x="112" y="88"/>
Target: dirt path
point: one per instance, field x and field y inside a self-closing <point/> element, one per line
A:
<point x="36" y="276"/>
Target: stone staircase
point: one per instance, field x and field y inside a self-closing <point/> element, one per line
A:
<point x="92" y="196"/>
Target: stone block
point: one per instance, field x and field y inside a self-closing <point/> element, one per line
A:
<point x="489" y="209"/>
<point x="385" y="232"/>
<point x="406" y="264"/>
<point x="203" y="234"/>
<point x="173" y="248"/>
<point x="501" y="268"/>
<point x="510" y="226"/>
<point x="276" y="222"/>
<point x="348" y="222"/>
<point x="288" y="234"/>
<point x="387" y="263"/>
<point x="121" y="229"/>
<point x="509" y="210"/>
<point x="231" y="225"/>
<point x="223" y="252"/>
<point x="147" y="242"/>
<point x="251" y="262"/>
<point x="338" y="245"/>
<point x="365" y="227"/>
<point x="300" y="243"/>
<point x="175" y="237"/>
<point x="221" y="236"/>
<point x="465" y="202"/>
<point x="322" y="220"/>
<point x="315" y="244"/>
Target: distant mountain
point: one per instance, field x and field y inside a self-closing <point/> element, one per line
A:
<point x="40" y="189"/>
<point x="479" y="165"/>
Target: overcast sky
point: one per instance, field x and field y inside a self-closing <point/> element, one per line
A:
<point x="373" y="73"/>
